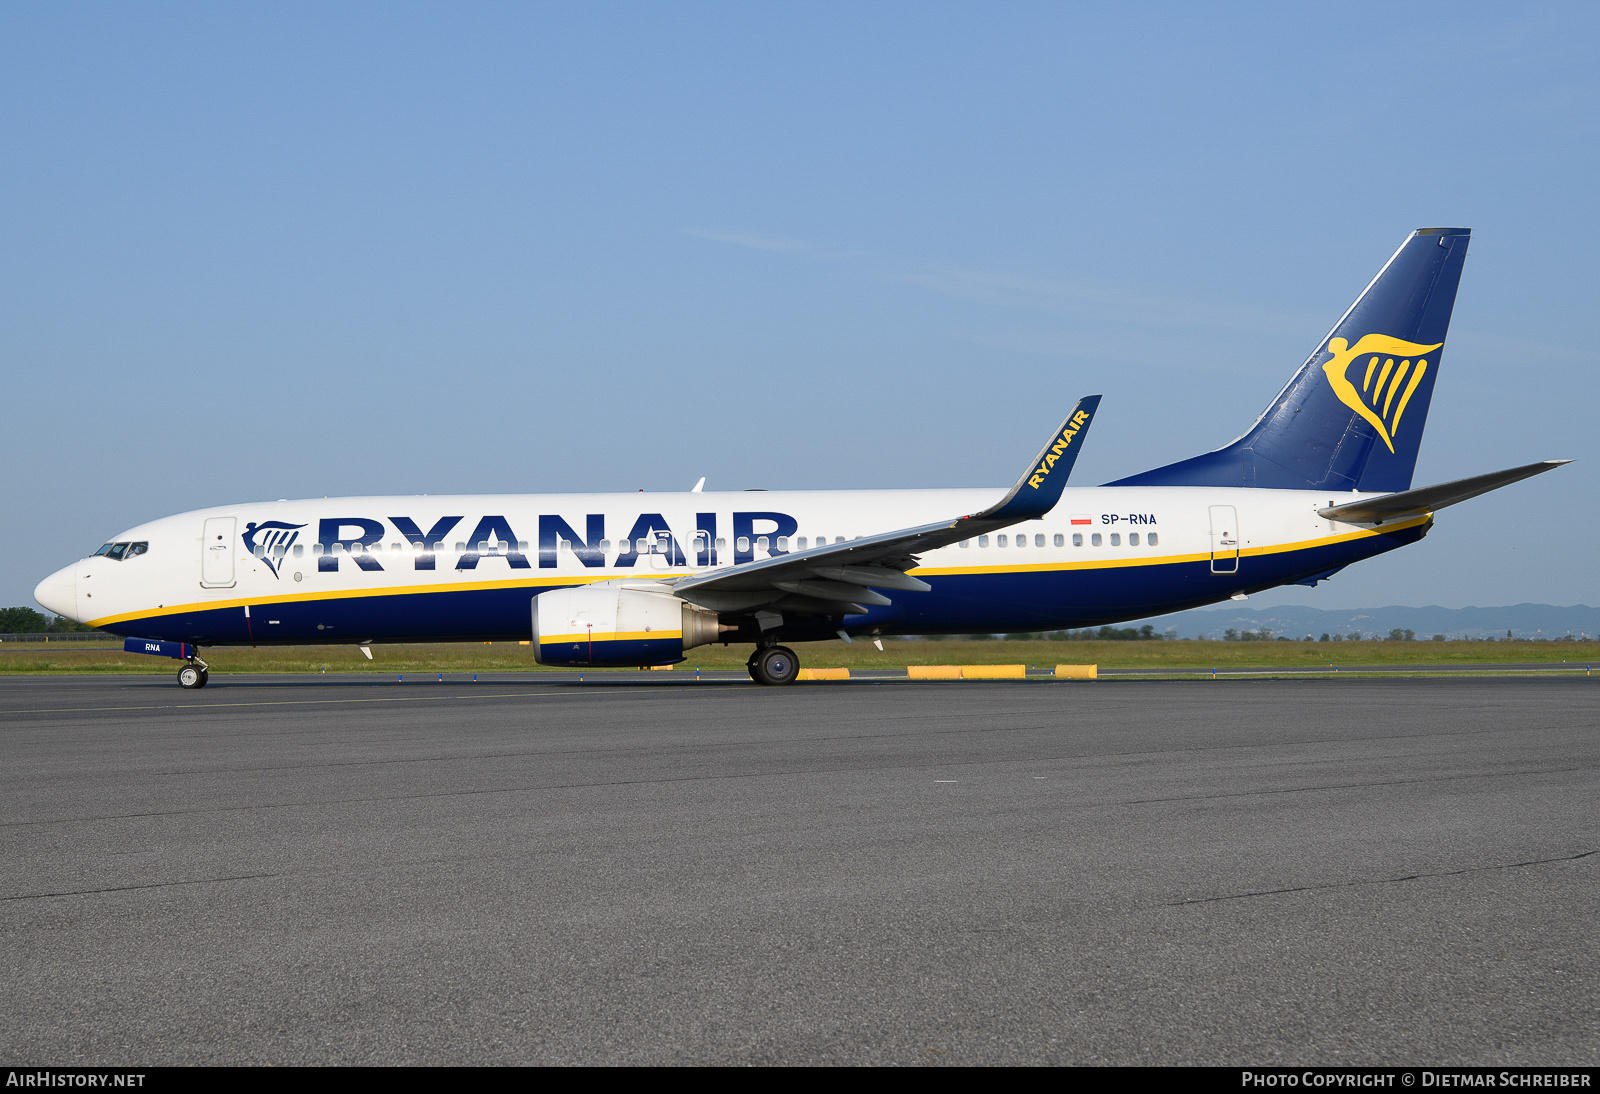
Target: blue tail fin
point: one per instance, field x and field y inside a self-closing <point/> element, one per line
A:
<point x="1352" y="417"/>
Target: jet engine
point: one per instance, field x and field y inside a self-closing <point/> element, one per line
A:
<point x="612" y="625"/>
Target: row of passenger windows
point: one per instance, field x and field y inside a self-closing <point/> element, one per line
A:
<point x="640" y="546"/>
<point x="1151" y="540"/>
<point x="645" y="546"/>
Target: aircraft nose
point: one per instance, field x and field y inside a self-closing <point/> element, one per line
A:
<point x="59" y="592"/>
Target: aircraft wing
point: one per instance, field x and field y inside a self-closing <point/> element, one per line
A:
<point x="1410" y="503"/>
<point x="839" y="578"/>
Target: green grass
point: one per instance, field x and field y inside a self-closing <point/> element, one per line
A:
<point x="1177" y="657"/>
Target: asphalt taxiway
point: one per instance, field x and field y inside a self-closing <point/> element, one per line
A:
<point x="634" y="869"/>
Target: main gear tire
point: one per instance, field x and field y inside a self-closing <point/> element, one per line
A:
<point x="775" y="666"/>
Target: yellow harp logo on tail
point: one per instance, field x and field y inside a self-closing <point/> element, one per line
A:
<point x="1393" y="370"/>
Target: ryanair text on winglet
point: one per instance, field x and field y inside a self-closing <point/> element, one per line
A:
<point x="1079" y="420"/>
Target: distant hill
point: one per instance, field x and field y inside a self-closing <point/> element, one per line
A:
<point x="1522" y="620"/>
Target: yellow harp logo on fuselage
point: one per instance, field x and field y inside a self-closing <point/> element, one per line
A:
<point x="1394" y="368"/>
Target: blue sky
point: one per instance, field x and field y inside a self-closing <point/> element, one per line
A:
<point x="262" y="251"/>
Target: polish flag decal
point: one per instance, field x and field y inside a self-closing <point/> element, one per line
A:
<point x="1082" y="518"/>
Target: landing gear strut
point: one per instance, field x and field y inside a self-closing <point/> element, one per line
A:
<point x="774" y="665"/>
<point x="194" y="674"/>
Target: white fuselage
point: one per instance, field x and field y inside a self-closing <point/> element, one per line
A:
<point x="397" y="568"/>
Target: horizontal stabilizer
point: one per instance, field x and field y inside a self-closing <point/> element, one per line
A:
<point x="1410" y="503"/>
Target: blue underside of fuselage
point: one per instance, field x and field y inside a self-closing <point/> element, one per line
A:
<point x="958" y="604"/>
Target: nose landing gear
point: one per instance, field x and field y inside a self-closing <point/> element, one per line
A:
<point x="194" y="675"/>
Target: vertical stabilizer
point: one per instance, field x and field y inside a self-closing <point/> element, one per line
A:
<point x="1352" y="417"/>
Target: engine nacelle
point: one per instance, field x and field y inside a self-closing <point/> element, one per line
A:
<point x="609" y="625"/>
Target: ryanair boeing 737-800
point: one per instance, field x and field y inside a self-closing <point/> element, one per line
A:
<point x="1321" y="480"/>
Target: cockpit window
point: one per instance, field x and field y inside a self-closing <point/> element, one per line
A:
<point x="119" y="551"/>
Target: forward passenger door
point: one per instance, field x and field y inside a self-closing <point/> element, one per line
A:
<point x="216" y="553"/>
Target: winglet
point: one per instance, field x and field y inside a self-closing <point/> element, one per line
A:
<point x="1037" y="492"/>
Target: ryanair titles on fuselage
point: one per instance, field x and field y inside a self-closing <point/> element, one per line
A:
<point x="355" y="536"/>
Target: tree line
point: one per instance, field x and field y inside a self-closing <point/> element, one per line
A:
<point x="28" y="621"/>
<point x="1146" y="633"/>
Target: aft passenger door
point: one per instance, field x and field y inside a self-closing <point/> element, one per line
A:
<point x="1224" y="540"/>
<point x="216" y="554"/>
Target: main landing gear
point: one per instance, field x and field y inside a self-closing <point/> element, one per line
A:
<point x="194" y="675"/>
<point x="774" y="665"/>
